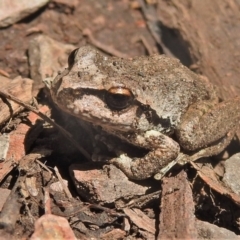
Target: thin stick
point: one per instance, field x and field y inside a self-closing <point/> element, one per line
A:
<point x="43" y="166"/>
<point x="47" y="201"/>
<point x="65" y="189"/>
<point x="49" y="120"/>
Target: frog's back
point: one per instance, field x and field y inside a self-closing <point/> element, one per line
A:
<point x="175" y="86"/>
<point x="163" y="83"/>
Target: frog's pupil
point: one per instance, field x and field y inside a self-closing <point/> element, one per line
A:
<point x="118" y="101"/>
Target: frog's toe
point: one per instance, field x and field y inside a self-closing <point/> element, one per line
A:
<point x="131" y="167"/>
<point x="124" y="163"/>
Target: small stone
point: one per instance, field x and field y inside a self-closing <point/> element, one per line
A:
<point x="104" y="185"/>
<point x="15" y="10"/>
<point x="210" y="231"/>
<point x="57" y="186"/>
<point x="231" y="176"/>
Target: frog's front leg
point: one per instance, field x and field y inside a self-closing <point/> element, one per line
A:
<point x="163" y="150"/>
<point x="209" y="127"/>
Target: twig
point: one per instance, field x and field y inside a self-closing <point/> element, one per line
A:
<point x="31" y="217"/>
<point x="49" y="120"/>
<point x="47" y="201"/>
<point x="4" y="73"/>
<point x="111" y="212"/>
<point x="44" y="166"/>
<point x="143" y="199"/>
<point x="65" y="189"/>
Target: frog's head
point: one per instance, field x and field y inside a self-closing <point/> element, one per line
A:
<point x="102" y="90"/>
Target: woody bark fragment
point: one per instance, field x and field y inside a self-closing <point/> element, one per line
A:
<point x="19" y="87"/>
<point x="14" y="146"/>
<point x="177" y="220"/>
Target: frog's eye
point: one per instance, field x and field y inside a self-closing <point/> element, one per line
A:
<point x="119" y="98"/>
<point x="71" y="58"/>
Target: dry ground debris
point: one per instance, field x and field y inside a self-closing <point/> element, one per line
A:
<point x="46" y="181"/>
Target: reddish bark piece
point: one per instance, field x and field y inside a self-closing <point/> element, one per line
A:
<point x="32" y="117"/>
<point x="104" y="185"/>
<point x="177" y="220"/>
<point x="52" y="227"/>
<point x="20" y="88"/>
<point x="15" y="148"/>
<point x="140" y="219"/>
<point x="114" y="234"/>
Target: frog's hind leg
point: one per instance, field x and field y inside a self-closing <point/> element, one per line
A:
<point x="209" y="128"/>
<point x="213" y="150"/>
<point x="205" y="152"/>
<point x="182" y="159"/>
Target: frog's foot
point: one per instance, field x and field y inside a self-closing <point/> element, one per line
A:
<point x="215" y="149"/>
<point x="124" y="163"/>
<point x="142" y="168"/>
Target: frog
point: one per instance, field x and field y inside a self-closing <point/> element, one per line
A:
<point x="152" y="102"/>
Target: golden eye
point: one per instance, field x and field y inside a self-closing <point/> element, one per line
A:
<point x="119" y="98"/>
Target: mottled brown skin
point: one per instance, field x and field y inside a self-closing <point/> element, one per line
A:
<point x="152" y="102"/>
